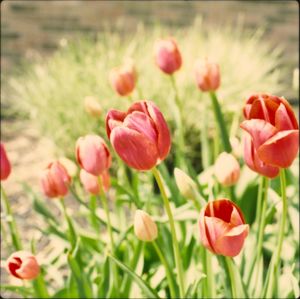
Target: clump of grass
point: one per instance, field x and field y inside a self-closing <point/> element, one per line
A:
<point x="53" y="91"/>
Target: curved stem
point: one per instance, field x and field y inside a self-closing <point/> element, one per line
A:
<point x="232" y="276"/>
<point x="178" y="263"/>
<point x="274" y="267"/>
<point x="16" y="241"/>
<point x="168" y="273"/>
<point x="220" y="120"/>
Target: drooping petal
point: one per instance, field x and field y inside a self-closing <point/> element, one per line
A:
<point x="259" y="129"/>
<point x="281" y="149"/>
<point x="254" y="163"/>
<point x="113" y="119"/>
<point x="231" y="243"/>
<point x="164" y="136"/>
<point x="282" y="119"/>
<point x="135" y="149"/>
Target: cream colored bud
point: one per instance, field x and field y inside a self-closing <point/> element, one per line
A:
<point x="92" y="106"/>
<point x="237" y="148"/>
<point x="144" y="227"/>
<point x="69" y="165"/>
<point x="227" y="169"/>
<point x="185" y="184"/>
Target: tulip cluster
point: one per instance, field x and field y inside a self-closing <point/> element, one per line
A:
<point x="141" y="138"/>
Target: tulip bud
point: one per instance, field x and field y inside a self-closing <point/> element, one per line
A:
<point x="69" y="165"/>
<point x="167" y="55"/>
<point x="123" y="79"/>
<point x="141" y="136"/>
<point x="236" y="146"/>
<point x="4" y="163"/>
<point x="92" y="154"/>
<point x="207" y="75"/>
<point x="55" y="180"/>
<point x="222" y="227"/>
<point x="23" y="265"/>
<point x="144" y="227"/>
<point x="227" y="169"/>
<point x="91" y="182"/>
<point x="92" y="106"/>
<point x="185" y="184"/>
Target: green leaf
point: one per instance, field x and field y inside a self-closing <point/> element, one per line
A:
<point x="142" y="284"/>
<point x="17" y="289"/>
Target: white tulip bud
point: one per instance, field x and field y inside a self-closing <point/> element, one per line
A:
<point x="144" y="227"/>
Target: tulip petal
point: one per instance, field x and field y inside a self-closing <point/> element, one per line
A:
<point x="231" y="243"/>
<point x="113" y="119"/>
<point x="282" y="119"/>
<point x="135" y="149"/>
<point x="254" y="163"/>
<point x="259" y="110"/>
<point x="281" y="149"/>
<point x="290" y="112"/>
<point x="29" y="269"/>
<point x="215" y="228"/>
<point x="164" y="137"/>
<point x="141" y="123"/>
<point x="220" y="209"/>
<point x="259" y="129"/>
<point x="202" y="228"/>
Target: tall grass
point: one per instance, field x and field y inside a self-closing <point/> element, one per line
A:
<point x="52" y="90"/>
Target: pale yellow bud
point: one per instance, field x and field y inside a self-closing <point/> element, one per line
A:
<point x="227" y="169"/>
<point x="185" y="184"/>
<point x="144" y="227"/>
<point x="237" y="148"/>
<point x="69" y="165"/>
<point x="92" y="106"/>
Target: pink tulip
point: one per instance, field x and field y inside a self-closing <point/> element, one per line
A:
<point x="140" y="136"/>
<point x="274" y="132"/>
<point x="92" y="154"/>
<point x="5" y="164"/>
<point x="167" y="55"/>
<point x="91" y="182"/>
<point x="207" y="75"/>
<point x="23" y="265"/>
<point x="55" y="180"/>
<point x="123" y="79"/>
<point x="222" y="227"/>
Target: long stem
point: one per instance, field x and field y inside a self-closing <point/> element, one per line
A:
<point x="232" y="276"/>
<point x="16" y="241"/>
<point x="112" y="244"/>
<point x="210" y="276"/>
<point x="180" y="128"/>
<point x="179" y="268"/>
<point x="168" y="274"/>
<point x="276" y="263"/>
<point x="220" y="120"/>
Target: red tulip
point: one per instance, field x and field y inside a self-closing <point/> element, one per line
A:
<point x="55" y="180"/>
<point x="92" y="154"/>
<point x="274" y="132"/>
<point x="91" y="182"/>
<point x="5" y="164"/>
<point x="222" y="227"/>
<point x="207" y="75"/>
<point x="141" y="136"/>
<point x="123" y="79"/>
<point x="23" y="265"/>
<point x="167" y="55"/>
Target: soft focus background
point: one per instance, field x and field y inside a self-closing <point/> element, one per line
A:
<point x="55" y="53"/>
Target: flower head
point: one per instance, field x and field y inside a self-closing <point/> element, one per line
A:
<point x="5" y="166"/>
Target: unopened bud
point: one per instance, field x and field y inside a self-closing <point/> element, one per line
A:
<point x="92" y="106"/>
<point x="185" y="184"/>
<point x="144" y="227"/>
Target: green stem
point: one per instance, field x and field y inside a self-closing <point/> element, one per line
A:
<point x="210" y="277"/>
<point x="168" y="273"/>
<point x="274" y="267"/>
<point x="258" y="221"/>
<point x="180" y="128"/>
<point x="109" y="228"/>
<point x="205" y="151"/>
<point x="178" y="263"/>
<point x="231" y="276"/>
<point x="16" y="241"/>
<point x="220" y="120"/>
